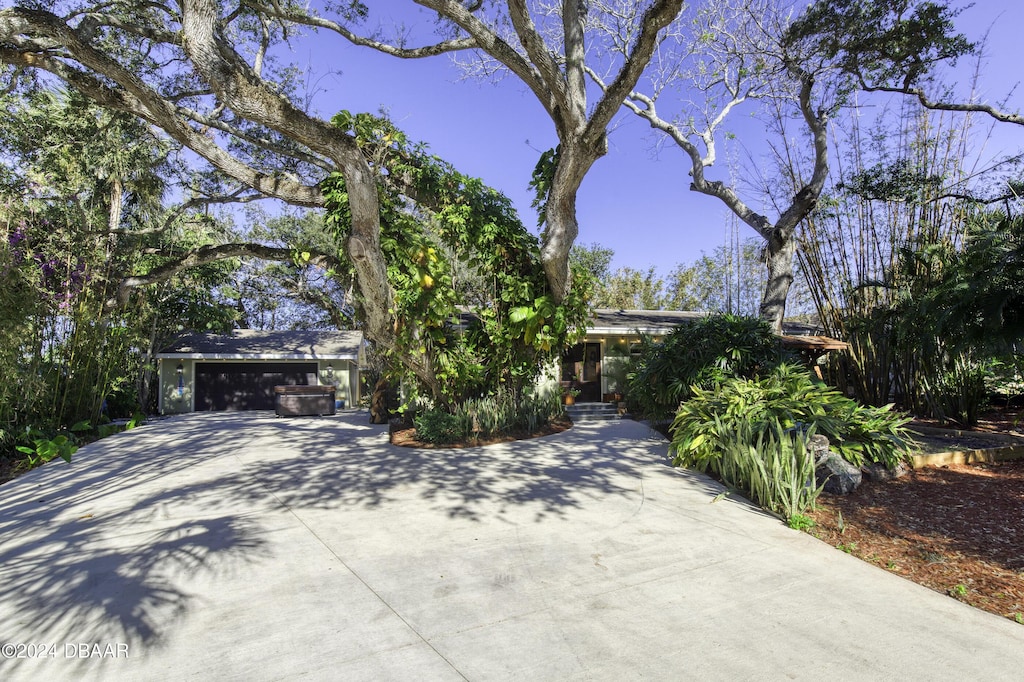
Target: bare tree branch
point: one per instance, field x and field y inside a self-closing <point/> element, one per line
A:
<point x="657" y="17"/>
<point x="489" y="41"/>
<point x="928" y="103"/>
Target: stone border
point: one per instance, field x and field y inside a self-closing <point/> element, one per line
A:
<point x="996" y="454"/>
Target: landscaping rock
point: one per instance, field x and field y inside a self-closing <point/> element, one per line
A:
<point x="879" y="472"/>
<point x="838" y="476"/>
<point x="819" y="447"/>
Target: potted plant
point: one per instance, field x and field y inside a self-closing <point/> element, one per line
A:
<point x="570" y="395"/>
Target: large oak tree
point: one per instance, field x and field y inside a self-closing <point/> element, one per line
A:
<point x="203" y="73"/>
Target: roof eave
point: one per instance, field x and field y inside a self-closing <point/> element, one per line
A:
<point x="354" y="356"/>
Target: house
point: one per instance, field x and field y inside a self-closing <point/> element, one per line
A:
<point x="596" y="366"/>
<point x="239" y="370"/>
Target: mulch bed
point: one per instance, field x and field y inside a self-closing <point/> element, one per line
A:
<point x="958" y="529"/>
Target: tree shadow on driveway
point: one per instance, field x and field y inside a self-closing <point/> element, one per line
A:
<point x="549" y="476"/>
<point x="105" y="549"/>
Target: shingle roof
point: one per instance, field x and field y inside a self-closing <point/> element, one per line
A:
<point x="610" y="321"/>
<point x="276" y="345"/>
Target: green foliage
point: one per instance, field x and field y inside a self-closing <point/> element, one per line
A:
<point x="792" y="399"/>
<point x="695" y="286"/>
<point x="771" y="465"/>
<point x="43" y="449"/>
<point x="946" y="315"/>
<point x="899" y="180"/>
<point x="698" y="355"/>
<point x="966" y="310"/>
<point x="514" y="325"/>
<point x="488" y="417"/>
<point x="593" y="259"/>
<point x="979" y="297"/>
<point x="800" y="522"/>
<point x="438" y="427"/>
<point x="885" y="44"/>
<point x="541" y="180"/>
<point x="924" y="286"/>
<point x="730" y="279"/>
<point x="80" y="193"/>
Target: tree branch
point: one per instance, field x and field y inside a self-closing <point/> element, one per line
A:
<point x="132" y="96"/>
<point x="656" y="18"/>
<point x="205" y="255"/>
<point x="310" y="20"/>
<point x="928" y="103"/>
<point x="489" y="41"/>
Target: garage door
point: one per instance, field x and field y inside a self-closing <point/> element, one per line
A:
<point x="247" y="385"/>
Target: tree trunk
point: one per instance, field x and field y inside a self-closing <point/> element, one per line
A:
<point x="559" y="234"/>
<point x="379" y="412"/>
<point x="562" y="228"/>
<point x="779" y="260"/>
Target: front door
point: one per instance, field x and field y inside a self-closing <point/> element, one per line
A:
<point x="581" y="369"/>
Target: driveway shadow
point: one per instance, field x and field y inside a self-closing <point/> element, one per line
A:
<point x="79" y="564"/>
<point x="550" y="475"/>
<point x="104" y="549"/>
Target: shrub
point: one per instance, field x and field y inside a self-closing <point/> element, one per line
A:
<point x="790" y="397"/>
<point x="699" y="354"/>
<point x="438" y="427"/>
<point x="487" y="417"/>
<point x="500" y="416"/>
<point x="773" y="466"/>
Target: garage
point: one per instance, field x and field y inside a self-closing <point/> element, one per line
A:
<point x="239" y="370"/>
<point x="246" y="385"/>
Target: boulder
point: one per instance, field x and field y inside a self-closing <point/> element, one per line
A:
<point x="838" y="476"/>
<point x="879" y="472"/>
<point x="818" y="445"/>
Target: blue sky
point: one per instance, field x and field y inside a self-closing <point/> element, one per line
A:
<point x="633" y="201"/>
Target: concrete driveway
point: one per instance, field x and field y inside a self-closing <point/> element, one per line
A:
<point x="245" y="547"/>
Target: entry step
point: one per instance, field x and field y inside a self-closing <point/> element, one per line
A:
<point x="581" y="412"/>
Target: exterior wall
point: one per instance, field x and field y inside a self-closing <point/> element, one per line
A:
<point x="345" y="379"/>
<point x="173" y="400"/>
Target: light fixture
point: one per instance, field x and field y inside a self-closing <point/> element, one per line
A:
<point x="181" y="369"/>
<point x="330" y="371"/>
<point x="181" y="379"/>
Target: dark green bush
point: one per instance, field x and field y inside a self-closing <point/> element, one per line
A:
<point x="791" y="397"/>
<point x="699" y="354"/>
<point x="438" y="427"/>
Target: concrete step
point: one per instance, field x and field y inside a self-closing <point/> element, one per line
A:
<point x="592" y="411"/>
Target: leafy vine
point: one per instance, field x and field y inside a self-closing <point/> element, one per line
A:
<point x="435" y="221"/>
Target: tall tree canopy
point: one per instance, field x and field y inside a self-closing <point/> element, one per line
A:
<point x="203" y="73"/>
